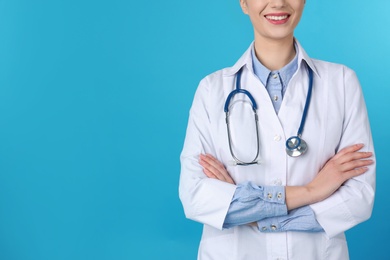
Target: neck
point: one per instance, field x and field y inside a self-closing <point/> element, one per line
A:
<point x="275" y="54"/>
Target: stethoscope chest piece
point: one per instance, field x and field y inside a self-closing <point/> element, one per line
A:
<point x="295" y="146"/>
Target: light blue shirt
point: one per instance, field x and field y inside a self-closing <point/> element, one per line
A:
<point x="275" y="82"/>
<point x="252" y="203"/>
<point x="266" y="204"/>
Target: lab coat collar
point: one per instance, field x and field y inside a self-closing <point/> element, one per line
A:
<point x="246" y="60"/>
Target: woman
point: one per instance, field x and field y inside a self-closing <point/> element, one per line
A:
<point x="256" y="198"/>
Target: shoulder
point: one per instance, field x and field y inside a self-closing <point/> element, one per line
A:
<point x="216" y="81"/>
<point x="337" y="78"/>
<point x="208" y="85"/>
<point x="328" y="69"/>
<point x="228" y="73"/>
<point x="219" y="75"/>
<point x="325" y="69"/>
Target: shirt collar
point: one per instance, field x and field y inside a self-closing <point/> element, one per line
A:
<point x="263" y="72"/>
<point x="259" y="69"/>
<point x="246" y="60"/>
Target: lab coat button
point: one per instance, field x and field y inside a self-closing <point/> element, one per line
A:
<point x="277" y="138"/>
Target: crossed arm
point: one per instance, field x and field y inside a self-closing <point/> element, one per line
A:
<point x="346" y="164"/>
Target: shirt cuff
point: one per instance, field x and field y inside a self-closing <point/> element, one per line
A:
<point x="251" y="203"/>
<point x="275" y="196"/>
<point x="300" y="219"/>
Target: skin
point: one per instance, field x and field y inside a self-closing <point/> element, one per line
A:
<point x="274" y="47"/>
<point x="274" y="44"/>
<point x="346" y="164"/>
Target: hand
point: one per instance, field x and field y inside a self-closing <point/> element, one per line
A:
<point x="214" y="168"/>
<point x="346" y="164"/>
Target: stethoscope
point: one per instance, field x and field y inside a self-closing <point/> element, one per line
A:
<point x="295" y="145"/>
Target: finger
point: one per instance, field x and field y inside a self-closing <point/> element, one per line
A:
<point x="208" y="164"/>
<point x="355" y="172"/>
<point x="215" y="160"/>
<point x="217" y="168"/>
<point x="220" y="168"/>
<point x="355" y="164"/>
<point x="205" y="163"/>
<point x="209" y="174"/>
<point x="348" y="149"/>
<point x="205" y="167"/>
<point x="354" y="156"/>
<point x="216" y="164"/>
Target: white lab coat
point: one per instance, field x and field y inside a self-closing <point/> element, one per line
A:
<point x="337" y="118"/>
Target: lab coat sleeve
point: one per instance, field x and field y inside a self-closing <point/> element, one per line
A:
<point x="352" y="203"/>
<point x="204" y="199"/>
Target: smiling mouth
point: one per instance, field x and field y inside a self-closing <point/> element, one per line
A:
<point x="277" y="17"/>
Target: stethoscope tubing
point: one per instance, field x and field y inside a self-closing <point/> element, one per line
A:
<point x="303" y="119"/>
<point x="239" y="90"/>
<point x="227" y="113"/>
<point x="298" y="146"/>
<point x="307" y="104"/>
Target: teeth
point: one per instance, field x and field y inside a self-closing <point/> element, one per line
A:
<point x="276" y="18"/>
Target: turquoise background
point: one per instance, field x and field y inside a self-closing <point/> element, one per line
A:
<point x="94" y="100"/>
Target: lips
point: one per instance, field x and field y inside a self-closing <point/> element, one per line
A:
<point x="277" y="18"/>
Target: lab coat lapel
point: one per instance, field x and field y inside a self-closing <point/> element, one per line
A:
<point x="268" y="119"/>
<point x="291" y="110"/>
<point x="266" y="111"/>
